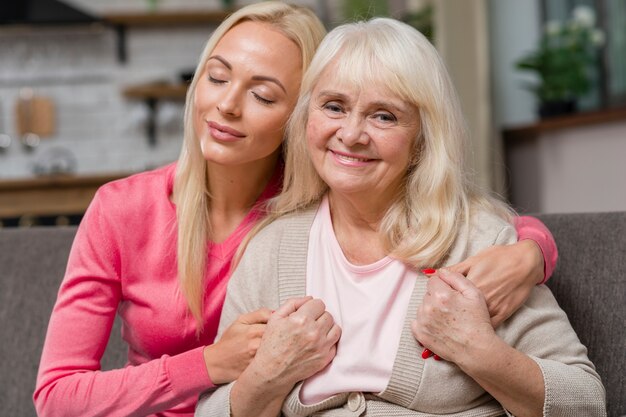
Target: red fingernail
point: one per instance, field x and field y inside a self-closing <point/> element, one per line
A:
<point x="426" y="353"/>
<point x="429" y="271"/>
<point x="437" y="357"/>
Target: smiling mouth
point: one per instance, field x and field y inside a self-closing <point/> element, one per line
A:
<point x="350" y="158"/>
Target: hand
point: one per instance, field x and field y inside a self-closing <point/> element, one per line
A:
<point x="300" y="340"/>
<point x="505" y="275"/>
<point x="226" y="359"/>
<point x="452" y="318"/>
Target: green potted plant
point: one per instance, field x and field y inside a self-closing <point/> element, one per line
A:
<point x="564" y="62"/>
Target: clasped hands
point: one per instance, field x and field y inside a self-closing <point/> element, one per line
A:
<point x="300" y="338"/>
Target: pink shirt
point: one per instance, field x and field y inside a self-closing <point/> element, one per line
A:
<point x="123" y="261"/>
<point x="368" y="302"/>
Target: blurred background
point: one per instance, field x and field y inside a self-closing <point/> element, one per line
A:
<point x="93" y="90"/>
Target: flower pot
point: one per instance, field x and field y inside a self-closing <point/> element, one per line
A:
<point x="557" y="108"/>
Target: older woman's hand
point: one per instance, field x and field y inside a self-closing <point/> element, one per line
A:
<point x="453" y="317"/>
<point x="505" y="275"/>
<point x="300" y="340"/>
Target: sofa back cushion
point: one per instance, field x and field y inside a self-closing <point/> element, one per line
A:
<point x="32" y="264"/>
<point x="590" y="285"/>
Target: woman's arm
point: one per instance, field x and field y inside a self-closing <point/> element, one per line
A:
<point x="299" y="339"/>
<point x="506" y="274"/>
<point x="534" y="365"/>
<point x="453" y="321"/>
<point x="70" y="381"/>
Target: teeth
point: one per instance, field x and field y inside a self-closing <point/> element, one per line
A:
<point x="350" y="158"/>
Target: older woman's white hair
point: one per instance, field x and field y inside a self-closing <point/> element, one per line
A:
<point x="421" y="225"/>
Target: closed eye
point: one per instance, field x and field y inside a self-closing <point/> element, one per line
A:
<point x="215" y="80"/>
<point x="262" y="99"/>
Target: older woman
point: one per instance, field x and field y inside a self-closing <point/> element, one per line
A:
<point x="375" y="191"/>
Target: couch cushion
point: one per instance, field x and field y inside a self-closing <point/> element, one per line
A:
<point x="32" y="264"/>
<point x="590" y="285"/>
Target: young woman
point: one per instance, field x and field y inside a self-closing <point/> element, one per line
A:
<point x="156" y="248"/>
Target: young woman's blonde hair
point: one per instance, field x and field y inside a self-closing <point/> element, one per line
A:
<point x="191" y="193"/>
<point x="422" y="223"/>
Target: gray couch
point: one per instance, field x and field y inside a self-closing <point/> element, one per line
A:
<point x="590" y="284"/>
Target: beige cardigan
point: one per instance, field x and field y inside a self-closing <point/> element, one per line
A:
<point x="273" y="269"/>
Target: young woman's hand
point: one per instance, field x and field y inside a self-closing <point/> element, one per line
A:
<point x="505" y="275"/>
<point x="227" y="358"/>
<point x="299" y="341"/>
<point x="453" y="317"/>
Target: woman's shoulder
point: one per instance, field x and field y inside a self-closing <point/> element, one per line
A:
<point x="487" y="225"/>
<point x="142" y="183"/>
<point x="289" y="226"/>
<point x="483" y="229"/>
<point x="139" y="196"/>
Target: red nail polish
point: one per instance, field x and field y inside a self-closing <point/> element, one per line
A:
<point x="437" y="357"/>
<point x="426" y="353"/>
<point x="429" y="271"/>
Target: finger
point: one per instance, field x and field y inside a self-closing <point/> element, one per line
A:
<point x="291" y="306"/>
<point x="261" y="315"/>
<point x="436" y="284"/>
<point x="326" y="322"/>
<point x="462" y="267"/>
<point x="334" y="334"/>
<point x="313" y="309"/>
<point x="497" y="320"/>
<point x="456" y="281"/>
<point x="427" y="353"/>
<point x="257" y="330"/>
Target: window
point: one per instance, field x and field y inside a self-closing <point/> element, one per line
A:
<point x="610" y="89"/>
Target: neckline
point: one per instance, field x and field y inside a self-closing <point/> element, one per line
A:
<point x="357" y="269"/>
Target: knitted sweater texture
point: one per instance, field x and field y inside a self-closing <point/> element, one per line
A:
<point x="273" y="270"/>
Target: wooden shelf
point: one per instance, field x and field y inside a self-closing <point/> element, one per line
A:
<point x="564" y="122"/>
<point x="50" y="196"/>
<point x="121" y="21"/>
<point x="157" y="91"/>
<point x="168" y="18"/>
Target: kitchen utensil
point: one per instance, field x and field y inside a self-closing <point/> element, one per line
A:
<point x="35" y="114"/>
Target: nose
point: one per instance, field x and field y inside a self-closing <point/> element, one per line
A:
<point x="230" y="103"/>
<point x="352" y="131"/>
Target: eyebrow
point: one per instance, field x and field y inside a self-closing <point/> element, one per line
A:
<point x="380" y="103"/>
<point x="255" y="77"/>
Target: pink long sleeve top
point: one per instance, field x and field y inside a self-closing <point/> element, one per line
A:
<point x="123" y="261"/>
